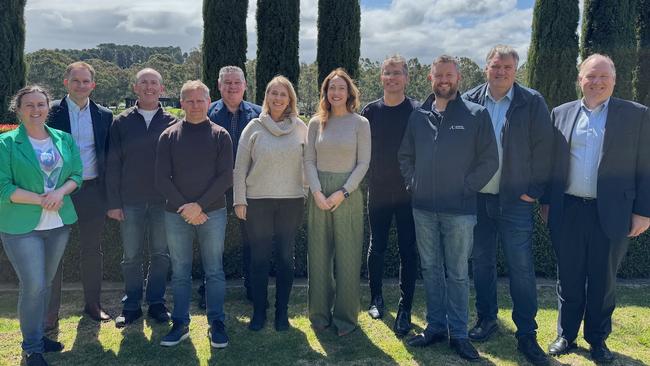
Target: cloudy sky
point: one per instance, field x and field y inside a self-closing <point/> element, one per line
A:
<point x="413" y="28"/>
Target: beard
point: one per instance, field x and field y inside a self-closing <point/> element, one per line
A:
<point x="453" y="89"/>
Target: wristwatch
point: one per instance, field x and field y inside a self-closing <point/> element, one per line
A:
<point x="346" y="194"/>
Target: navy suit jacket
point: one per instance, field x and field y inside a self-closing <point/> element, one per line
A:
<point x="102" y="118"/>
<point x="623" y="186"/>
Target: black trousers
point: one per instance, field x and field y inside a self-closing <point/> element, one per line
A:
<point x="587" y="264"/>
<point x="272" y="225"/>
<point x="381" y="209"/>
<point x="90" y="204"/>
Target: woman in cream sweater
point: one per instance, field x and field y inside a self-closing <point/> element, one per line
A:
<point x="269" y="195"/>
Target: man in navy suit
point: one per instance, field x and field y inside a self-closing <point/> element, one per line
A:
<point x="89" y="124"/>
<point x="599" y="198"/>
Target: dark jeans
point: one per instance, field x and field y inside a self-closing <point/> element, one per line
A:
<point x="513" y="224"/>
<point x="90" y="204"/>
<point x="587" y="264"/>
<point x="381" y="209"/>
<point x="140" y="220"/>
<point x="272" y="225"/>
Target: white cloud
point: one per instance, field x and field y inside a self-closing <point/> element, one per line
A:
<point x="414" y="28"/>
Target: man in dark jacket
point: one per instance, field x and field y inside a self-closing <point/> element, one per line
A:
<point x="524" y="136"/>
<point x="448" y="153"/>
<point x="134" y="201"/>
<point x="89" y="125"/>
<point x="599" y="198"/>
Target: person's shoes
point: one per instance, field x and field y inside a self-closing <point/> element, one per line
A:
<point x="483" y="330"/>
<point x="217" y="334"/>
<point x="50" y="345"/>
<point x="281" y="320"/>
<point x="464" y="349"/>
<point x="426" y="338"/>
<point x="532" y="351"/>
<point x="402" y="324"/>
<point x="601" y="354"/>
<point x="376" y="308"/>
<point x="257" y="321"/>
<point x="159" y="313"/>
<point x="36" y="359"/>
<point x="176" y="335"/>
<point x="127" y="317"/>
<point x="95" y="312"/>
<point x="201" y="291"/>
<point x="343" y="333"/>
<point x="560" y="346"/>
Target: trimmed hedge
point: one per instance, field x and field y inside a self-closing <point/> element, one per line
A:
<point x="635" y="265"/>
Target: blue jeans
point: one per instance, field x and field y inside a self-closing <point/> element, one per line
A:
<point x="513" y="224"/>
<point x="210" y="236"/>
<point x="35" y="256"/>
<point x="444" y="242"/>
<point x="138" y="221"/>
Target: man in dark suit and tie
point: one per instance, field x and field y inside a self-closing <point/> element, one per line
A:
<point x="89" y="124"/>
<point x="599" y="198"/>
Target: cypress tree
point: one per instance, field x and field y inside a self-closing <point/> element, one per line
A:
<point x="608" y="28"/>
<point x="642" y="72"/>
<point x="12" y="47"/>
<point x="553" y="51"/>
<point x="278" y="26"/>
<point x="224" y="39"/>
<point x="339" y="37"/>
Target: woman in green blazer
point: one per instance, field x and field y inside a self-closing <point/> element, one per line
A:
<point x="39" y="168"/>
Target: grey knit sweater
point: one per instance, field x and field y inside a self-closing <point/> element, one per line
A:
<point x="269" y="161"/>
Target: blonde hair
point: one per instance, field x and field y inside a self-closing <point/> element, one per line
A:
<point x="324" y="107"/>
<point x="17" y="99"/>
<point x="79" y="65"/>
<point x="194" y="85"/>
<point x="292" y="109"/>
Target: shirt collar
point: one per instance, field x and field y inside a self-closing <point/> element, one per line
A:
<point x="600" y="108"/>
<point x="74" y="107"/>
<point x="508" y="95"/>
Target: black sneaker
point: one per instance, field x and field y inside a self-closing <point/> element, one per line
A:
<point x="36" y="359"/>
<point x="465" y="349"/>
<point x="127" y="317"/>
<point x="176" y="335"/>
<point x="159" y="313"/>
<point x="531" y="350"/>
<point x="50" y="345"/>
<point x="402" y="324"/>
<point x="376" y="308"/>
<point x="217" y="334"/>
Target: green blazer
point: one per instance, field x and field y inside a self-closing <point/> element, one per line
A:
<point x="19" y="168"/>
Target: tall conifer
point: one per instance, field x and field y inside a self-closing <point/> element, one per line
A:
<point x="608" y="28"/>
<point x="339" y="37"/>
<point x="12" y="47"/>
<point x="224" y="39"/>
<point x="278" y="26"/>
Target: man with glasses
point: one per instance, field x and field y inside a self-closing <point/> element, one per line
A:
<point x="448" y="153"/>
<point x="387" y="196"/>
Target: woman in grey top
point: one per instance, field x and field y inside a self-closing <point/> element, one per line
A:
<point x="269" y="194"/>
<point x="336" y="160"/>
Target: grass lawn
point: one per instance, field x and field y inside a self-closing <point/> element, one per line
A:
<point x="89" y="343"/>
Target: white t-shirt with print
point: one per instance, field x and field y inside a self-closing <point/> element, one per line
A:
<point x="49" y="159"/>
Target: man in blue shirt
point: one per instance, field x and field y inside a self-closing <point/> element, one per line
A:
<point x="233" y="113"/>
<point x="524" y="135"/>
<point x="599" y="197"/>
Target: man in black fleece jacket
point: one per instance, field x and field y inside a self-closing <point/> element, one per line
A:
<point x="448" y="154"/>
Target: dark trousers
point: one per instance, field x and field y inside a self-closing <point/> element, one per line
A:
<point x="587" y="264"/>
<point x="381" y="209"/>
<point x="90" y="204"/>
<point x="272" y="225"/>
<point x="513" y="224"/>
